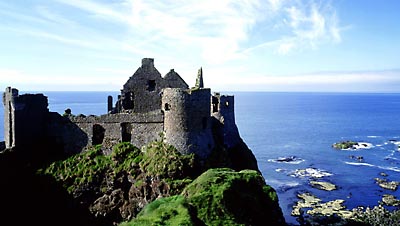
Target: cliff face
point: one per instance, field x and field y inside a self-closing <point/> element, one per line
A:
<point x="92" y="188"/>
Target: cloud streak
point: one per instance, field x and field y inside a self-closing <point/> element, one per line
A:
<point x="305" y="25"/>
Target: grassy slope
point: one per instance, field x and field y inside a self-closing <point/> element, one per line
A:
<point x="217" y="197"/>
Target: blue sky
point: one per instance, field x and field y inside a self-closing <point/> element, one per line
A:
<point x="275" y="45"/>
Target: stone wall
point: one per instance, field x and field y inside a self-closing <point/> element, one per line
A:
<point x="110" y="129"/>
<point x="61" y="131"/>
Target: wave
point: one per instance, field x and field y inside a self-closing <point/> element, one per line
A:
<point x="395" y="142"/>
<point x="395" y="169"/>
<point x="373" y="136"/>
<point x="310" y="172"/>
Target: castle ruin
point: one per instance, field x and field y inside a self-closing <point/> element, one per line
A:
<point x="149" y="107"/>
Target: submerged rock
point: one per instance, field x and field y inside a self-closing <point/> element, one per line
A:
<point x="359" y="158"/>
<point x="323" y="185"/>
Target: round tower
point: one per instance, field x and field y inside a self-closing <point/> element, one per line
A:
<point x="187" y="120"/>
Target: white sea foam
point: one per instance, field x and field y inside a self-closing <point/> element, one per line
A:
<point x="395" y="169"/>
<point x="279" y="170"/>
<point x="373" y="136"/>
<point x="363" y="145"/>
<point x="310" y="172"/>
<point x="395" y="142"/>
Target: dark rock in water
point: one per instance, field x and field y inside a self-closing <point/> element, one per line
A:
<point x="286" y="159"/>
<point x="358" y="158"/>
<point x="289" y="159"/>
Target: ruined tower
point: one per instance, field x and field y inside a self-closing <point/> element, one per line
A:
<point x="187" y="120"/>
<point x="24" y="118"/>
<point x="223" y="109"/>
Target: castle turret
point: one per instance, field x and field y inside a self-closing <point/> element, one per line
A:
<point x="24" y="118"/>
<point x="187" y="121"/>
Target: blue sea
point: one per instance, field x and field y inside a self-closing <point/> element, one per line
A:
<point x="302" y="126"/>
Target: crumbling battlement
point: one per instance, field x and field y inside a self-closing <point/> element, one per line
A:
<point x="149" y="108"/>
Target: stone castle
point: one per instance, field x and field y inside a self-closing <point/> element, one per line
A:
<point x="150" y="107"/>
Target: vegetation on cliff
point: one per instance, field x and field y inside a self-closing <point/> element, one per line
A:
<point x="114" y="186"/>
<point x="217" y="197"/>
<point x="92" y="168"/>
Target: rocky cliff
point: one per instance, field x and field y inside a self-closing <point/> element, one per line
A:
<point x="108" y="187"/>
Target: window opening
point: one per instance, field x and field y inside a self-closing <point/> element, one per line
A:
<point x="151" y="85"/>
<point x="98" y="134"/>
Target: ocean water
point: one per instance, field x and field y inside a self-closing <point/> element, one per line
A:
<point x="303" y="125"/>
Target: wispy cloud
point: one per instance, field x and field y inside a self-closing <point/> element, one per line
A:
<point x="305" y="25"/>
<point x="50" y="16"/>
<point x="215" y="29"/>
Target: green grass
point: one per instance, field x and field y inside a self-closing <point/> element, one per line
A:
<point x="164" y="161"/>
<point x="80" y="169"/>
<point x="217" y="197"/>
<point x="91" y="167"/>
<point x="344" y="145"/>
<point x="165" y="211"/>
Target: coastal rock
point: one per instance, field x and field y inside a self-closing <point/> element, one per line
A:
<point x="352" y="145"/>
<point x="384" y="183"/>
<point x="316" y="207"/>
<point x="390" y="200"/>
<point x="307" y="201"/>
<point x="323" y="185"/>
